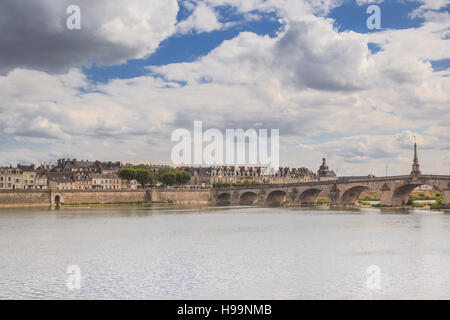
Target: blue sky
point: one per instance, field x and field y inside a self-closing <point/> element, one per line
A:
<point x="187" y="48"/>
<point x="138" y="70"/>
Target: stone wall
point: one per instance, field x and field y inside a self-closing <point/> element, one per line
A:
<point x="29" y="198"/>
<point x="20" y="198"/>
<point x="201" y="196"/>
<point x="98" y="196"/>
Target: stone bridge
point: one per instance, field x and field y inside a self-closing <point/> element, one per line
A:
<point x="393" y="191"/>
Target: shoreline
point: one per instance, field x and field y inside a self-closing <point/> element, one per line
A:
<point x="193" y="204"/>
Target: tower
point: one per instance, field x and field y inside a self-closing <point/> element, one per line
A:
<point x="415" y="166"/>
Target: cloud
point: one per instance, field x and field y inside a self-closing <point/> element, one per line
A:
<point x="203" y="19"/>
<point x="324" y="89"/>
<point x="34" y="33"/>
<point x="368" y="2"/>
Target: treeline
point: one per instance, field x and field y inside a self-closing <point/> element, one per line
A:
<point x="146" y="176"/>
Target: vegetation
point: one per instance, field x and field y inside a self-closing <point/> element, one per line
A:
<point x="169" y="176"/>
<point x="425" y="195"/>
<point x="127" y="174"/>
<point x="321" y="201"/>
<point x="369" y="196"/>
<point x="439" y="206"/>
<point x="142" y="174"/>
<point x="146" y="176"/>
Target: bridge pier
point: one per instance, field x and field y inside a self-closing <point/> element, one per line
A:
<point x="335" y="196"/>
<point x="446" y="196"/>
<point x="386" y="198"/>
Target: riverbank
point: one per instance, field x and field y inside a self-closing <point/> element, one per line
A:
<point x="117" y="203"/>
<point x="45" y="198"/>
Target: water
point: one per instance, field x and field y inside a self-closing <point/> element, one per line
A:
<point x="231" y="253"/>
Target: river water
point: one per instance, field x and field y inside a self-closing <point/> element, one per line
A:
<point x="224" y="252"/>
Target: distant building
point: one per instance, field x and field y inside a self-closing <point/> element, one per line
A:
<point x="206" y="177"/>
<point x="41" y="179"/>
<point x="28" y="176"/>
<point x="109" y="167"/>
<point x="70" y="180"/>
<point x="74" y="165"/>
<point x="22" y="177"/>
<point x="324" y="173"/>
<point x="11" y="178"/>
<point x="107" y="181"/>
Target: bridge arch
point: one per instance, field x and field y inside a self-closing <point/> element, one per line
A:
<point x="351" y="196"/>
<point x="248" y="198"/>
<point x="224" y="198"/>
<point x="309" y="196"/>
<point x="401" y="195"/>
<point x="276" y="197"/>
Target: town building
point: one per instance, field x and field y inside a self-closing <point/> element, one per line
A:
<point x="11" y="178"/>
<point x="108" y="181"/>
<point x="28" y="176"/>
<point x="70" y="180"/>
<point x="206" y="177"/>
<point x="324" y="173"/>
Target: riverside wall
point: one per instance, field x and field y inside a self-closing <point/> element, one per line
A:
<point x="40" y="198"/>
<point x="22" y="198"/>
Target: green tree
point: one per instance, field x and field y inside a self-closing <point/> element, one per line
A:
<point x="168" y="178"/>
<point x="145" y="177"/>
<point x="164" y="170"/>
<point x="127" y="174"/>
<point x="182" y="177"/>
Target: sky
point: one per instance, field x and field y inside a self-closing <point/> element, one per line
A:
<point x="139" y="69"/>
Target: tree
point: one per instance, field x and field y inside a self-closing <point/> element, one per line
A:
<point x="182" y="177"/>
<point x="145" y="177"/>
<point x="168" y="178"/>
<point x="127" y="174"/>
<point x="164" y="170"/>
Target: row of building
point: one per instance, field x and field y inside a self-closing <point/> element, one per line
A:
<point x="66" y="175"/>
<point x="72" y="174"/>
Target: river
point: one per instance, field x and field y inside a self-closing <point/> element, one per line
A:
<point x="167" y="252"/>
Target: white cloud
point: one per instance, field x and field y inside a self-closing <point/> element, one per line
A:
<point x="367" y="2"/>
<point x="203" y="19"/>
<point x="325" y="91"/>
<point x="426" y="10"/>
